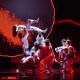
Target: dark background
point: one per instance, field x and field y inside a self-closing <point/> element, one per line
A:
<point x="66" y="9"/>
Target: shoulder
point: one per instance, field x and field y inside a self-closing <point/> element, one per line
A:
<point x="71" y="47"/>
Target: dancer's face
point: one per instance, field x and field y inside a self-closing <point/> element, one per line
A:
<point x="17" y="12"/>
<point x="64" y="43"/>
<point x="67" y="43"/>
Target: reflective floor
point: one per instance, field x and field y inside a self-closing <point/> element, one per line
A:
<point x="56" y="75"/>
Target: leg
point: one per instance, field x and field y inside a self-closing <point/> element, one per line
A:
<point x="69" y="67"/>
<point x="41" y="67"/>
<point x="37" y="29"/>
<point x="49" y="62"/>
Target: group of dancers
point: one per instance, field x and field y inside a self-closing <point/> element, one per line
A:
<point x="41" y="56"/>
<point x="66" y="55"/>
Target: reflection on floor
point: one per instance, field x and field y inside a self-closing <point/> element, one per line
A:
<point x="56" y="75"/>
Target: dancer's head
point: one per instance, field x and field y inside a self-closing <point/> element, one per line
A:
<point x="47" y="42"/>
<point x="20" y="35"/>
<point x="68" y="42"/>
<point x="63" y="42"/>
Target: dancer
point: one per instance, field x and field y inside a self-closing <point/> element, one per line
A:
<point x="48" y="55"/>
<point x="25" y="44"/>
<point x="63" y="50"/>
<point x="25" y="48"/>
<point x="29" y="54"/>
<point x="29" y="62"/>
<point x="28" y="27"/>
<point x="71" y="50"/>
<point x="71" y="56"/>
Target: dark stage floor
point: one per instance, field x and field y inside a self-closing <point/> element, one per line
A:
<point x="56" y="75"/>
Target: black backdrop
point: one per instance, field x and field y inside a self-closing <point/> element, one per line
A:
<point x="66" y="9"/>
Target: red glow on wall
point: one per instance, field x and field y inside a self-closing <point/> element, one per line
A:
<point x="7" y="20"/>
<point x="69" y="21"/>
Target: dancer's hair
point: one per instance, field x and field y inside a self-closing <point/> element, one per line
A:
<point x="20" y="35"/>
<point x="63" y="40"/>
<point x="47" y="42"/>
